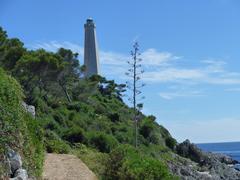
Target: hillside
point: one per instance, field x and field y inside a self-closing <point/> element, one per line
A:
<point x="86" y="117"/>
<point x="78" y="114"/>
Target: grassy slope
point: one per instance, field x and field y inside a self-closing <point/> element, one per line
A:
<point x="19" y="131"/>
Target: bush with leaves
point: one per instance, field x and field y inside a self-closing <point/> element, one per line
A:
<point x="18" y="130"/>
<point x="171" y="143"/>
<point x="75" y="135"/>
<point x="57" y="146"/>
<point x="126" y="162"/>
<point x="103" y="142"/>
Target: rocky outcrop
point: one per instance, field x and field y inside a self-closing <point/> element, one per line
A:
<point x="16" y="171"/>
<point x="203" y="165"/>
<point x="29" y="108"/>
<point x="20" y="174"/>
<point x="189" y="150"/>
<point x="237" y="167"/>
<point x="14" y="160"/>
<point x="187" y="169"/>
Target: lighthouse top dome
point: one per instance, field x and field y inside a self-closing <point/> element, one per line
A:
<point x="89" y="23"/>
<point x="89" y="19"/>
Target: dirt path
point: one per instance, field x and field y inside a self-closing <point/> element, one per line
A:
<point x="66" y="167"/>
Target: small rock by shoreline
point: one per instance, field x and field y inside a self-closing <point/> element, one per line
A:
<point x="203" y="165"/>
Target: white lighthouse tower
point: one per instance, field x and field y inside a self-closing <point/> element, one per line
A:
<point x="91" y="59"/>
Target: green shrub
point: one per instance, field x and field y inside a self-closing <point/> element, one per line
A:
<point x="74" y="106"/>
<point x="50" y="135"/>
<point x="102" y="141"/>
<point x="33" y="149"/>
<point x="114" y="117"/>
<point x="57" y="146"/>
<point x="145" y="168"/>
<point x="125" y="162"/>
<point x="54" y="144"/>
<point x="101" y="123"/>
<point x="74" y="135"/>
<point x="18" y="130"/>
<point x="11" y="111"/>
<point x="124" y="137"/>
<point x="59" y="118"/>
<point x="171" y="142"/>
<point x="94" y="159"/>
<point x="146" y="128"/>
<point x="48" y="122"/>
<point x="149" y="131"/>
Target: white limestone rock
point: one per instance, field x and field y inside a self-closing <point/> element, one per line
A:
<point x="20" y="174"/>
<point x="29" y="108"/>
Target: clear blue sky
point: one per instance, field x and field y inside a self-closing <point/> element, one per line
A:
<point x="191" y="52"/>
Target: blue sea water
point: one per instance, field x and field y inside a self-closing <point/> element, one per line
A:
<point x="231" y="149"/>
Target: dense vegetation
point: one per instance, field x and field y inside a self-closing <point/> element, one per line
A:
<point x="84" y="116"/>
<point x="18" y="130"/>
